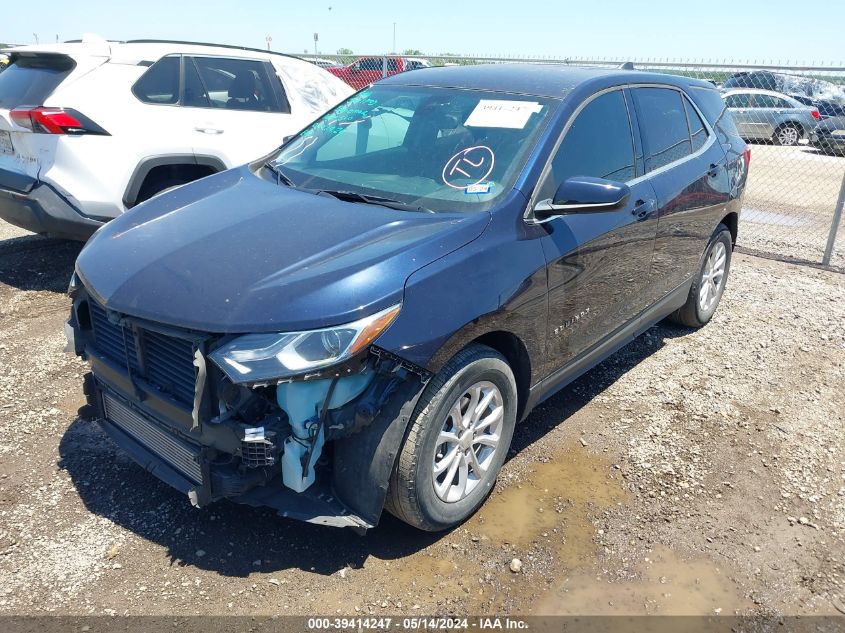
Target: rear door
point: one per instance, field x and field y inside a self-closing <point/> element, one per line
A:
<point x="687" y="167"/>
<point x="238" y="107"/>
<point x="768" y="112"/>
<point x="171" y="127"/>
<point x="598" y="263"/>
<point x="740" y="106"/>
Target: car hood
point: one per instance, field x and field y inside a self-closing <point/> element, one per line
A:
<point x="235" y="253"/>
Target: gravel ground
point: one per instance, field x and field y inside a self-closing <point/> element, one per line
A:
<point x="694" y="472"/>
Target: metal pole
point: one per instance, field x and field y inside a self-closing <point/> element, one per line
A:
<point x="384" y="67"/>
<point x="394" y="38"/>
<point x="834" y="225"/>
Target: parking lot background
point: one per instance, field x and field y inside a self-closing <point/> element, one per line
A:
<point x="790" y="204"/>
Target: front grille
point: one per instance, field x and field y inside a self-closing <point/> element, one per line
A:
<point x="168" y="361"/>
<point x="181" y="455"/>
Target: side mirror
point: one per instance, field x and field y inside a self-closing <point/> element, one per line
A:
<point x="583" y="194"/>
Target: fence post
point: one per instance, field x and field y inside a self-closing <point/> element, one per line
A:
<point x="384" y="67"/>
<point x="834" y="225"/>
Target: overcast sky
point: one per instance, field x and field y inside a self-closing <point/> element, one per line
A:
<point x="776" y="30"/>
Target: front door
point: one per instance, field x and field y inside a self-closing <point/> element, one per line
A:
<point x="597" y="263"/>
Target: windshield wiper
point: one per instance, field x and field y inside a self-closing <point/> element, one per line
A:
<point x="390" y="203"/>
<point x="281" y="178"/>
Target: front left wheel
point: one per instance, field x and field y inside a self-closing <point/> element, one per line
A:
<point x="457" y="442"/>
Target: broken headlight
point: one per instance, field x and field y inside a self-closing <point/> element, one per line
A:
<point x="257" y="357"/>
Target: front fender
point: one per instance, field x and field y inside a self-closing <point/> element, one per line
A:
<point x="495" y="283"/>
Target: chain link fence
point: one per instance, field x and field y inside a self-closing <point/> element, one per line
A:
<point x="793" y="117"/>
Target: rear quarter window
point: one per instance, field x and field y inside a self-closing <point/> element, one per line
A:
<point x="160" y="84"/>
<point x="30" y="80"/>
<point x="713" y="107"/>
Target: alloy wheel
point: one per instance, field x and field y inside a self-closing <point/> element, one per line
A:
<point x="713" y="277"/>
<point x="467" y="442"/>
<point x="788" y="135"/>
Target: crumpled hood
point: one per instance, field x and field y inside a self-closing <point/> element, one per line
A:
<point x="235" y="253"/>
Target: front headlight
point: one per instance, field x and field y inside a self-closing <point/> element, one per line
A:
<point x="257" y="357"/>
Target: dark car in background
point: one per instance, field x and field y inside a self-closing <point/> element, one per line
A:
<point x="826" y="107"/>
<point x="762" y="79"/>
<point x="359" y="320"/>
<point x="830" y="136"/>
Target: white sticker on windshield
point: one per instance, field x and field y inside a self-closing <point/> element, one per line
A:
<point x="502" y="113"/>
<point x="479" y="187"/>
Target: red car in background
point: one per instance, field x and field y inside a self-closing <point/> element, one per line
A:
<point x="366" y="70"/>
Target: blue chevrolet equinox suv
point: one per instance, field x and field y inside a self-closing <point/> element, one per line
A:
<point x="358" y="320"/>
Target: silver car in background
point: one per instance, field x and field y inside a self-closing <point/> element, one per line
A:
<point x="765" y="115"/>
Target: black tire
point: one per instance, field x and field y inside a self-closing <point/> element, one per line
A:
<point x="778" y="140"/>
<point x="411" y="496"/>
<point x="692" y="314"/>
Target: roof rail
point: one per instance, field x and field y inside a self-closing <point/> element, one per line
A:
<point x="187" y="43"/>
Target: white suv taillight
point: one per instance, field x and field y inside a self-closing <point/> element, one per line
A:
<point x="43" y="120"/>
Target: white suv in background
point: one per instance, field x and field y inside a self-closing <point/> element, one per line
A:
<point x="89" y="129"/>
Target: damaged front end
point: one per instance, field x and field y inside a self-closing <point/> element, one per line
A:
<point x="314" y="438"/>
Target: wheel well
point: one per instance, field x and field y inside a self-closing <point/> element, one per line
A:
<point x="731" y="220"/>
<point x="513" y="349"/>
<point x="182" y="173"/>
<point x="794" y="124"/>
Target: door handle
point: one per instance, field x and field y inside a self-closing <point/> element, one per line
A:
<point x="713" y="171"/>
<point x="208" y="130"/>
<point x="642" y="208"/>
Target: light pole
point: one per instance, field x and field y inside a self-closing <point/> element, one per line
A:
<point x="394" y="38"/>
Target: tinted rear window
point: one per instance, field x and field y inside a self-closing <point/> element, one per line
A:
<point x="30" y="80"/>
<point x="663" y="124"/>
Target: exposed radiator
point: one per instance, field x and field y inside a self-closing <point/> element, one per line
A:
<point x="180" y="455"/>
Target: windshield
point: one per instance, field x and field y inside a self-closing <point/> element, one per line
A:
<point x="442" y="149"/>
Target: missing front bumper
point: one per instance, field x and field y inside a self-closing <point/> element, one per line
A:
<point x="187" y="467"/>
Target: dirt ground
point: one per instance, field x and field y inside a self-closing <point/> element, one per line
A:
<point x="790" y="200"/>
<point x="694" y="472"/>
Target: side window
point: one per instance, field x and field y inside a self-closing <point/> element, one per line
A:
<point x="160" y="84"/>
<point x="239" y="84"/>
<point x="698" y="133"/>
<point x="765" y="101"/>
<point x="663" y="125"/>
<point x="195" y="95"/>
<point x="370" y="63"/>
<point x="392" y="65"/>
<point x="740" y="100"/>
<point x="781" y="103"/>
<point x="598" y="144"/>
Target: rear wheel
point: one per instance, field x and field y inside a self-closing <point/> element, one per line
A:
<point x="709" y="284"/>
<point x="787" y="134"/>
<point x="457" y="442"/>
